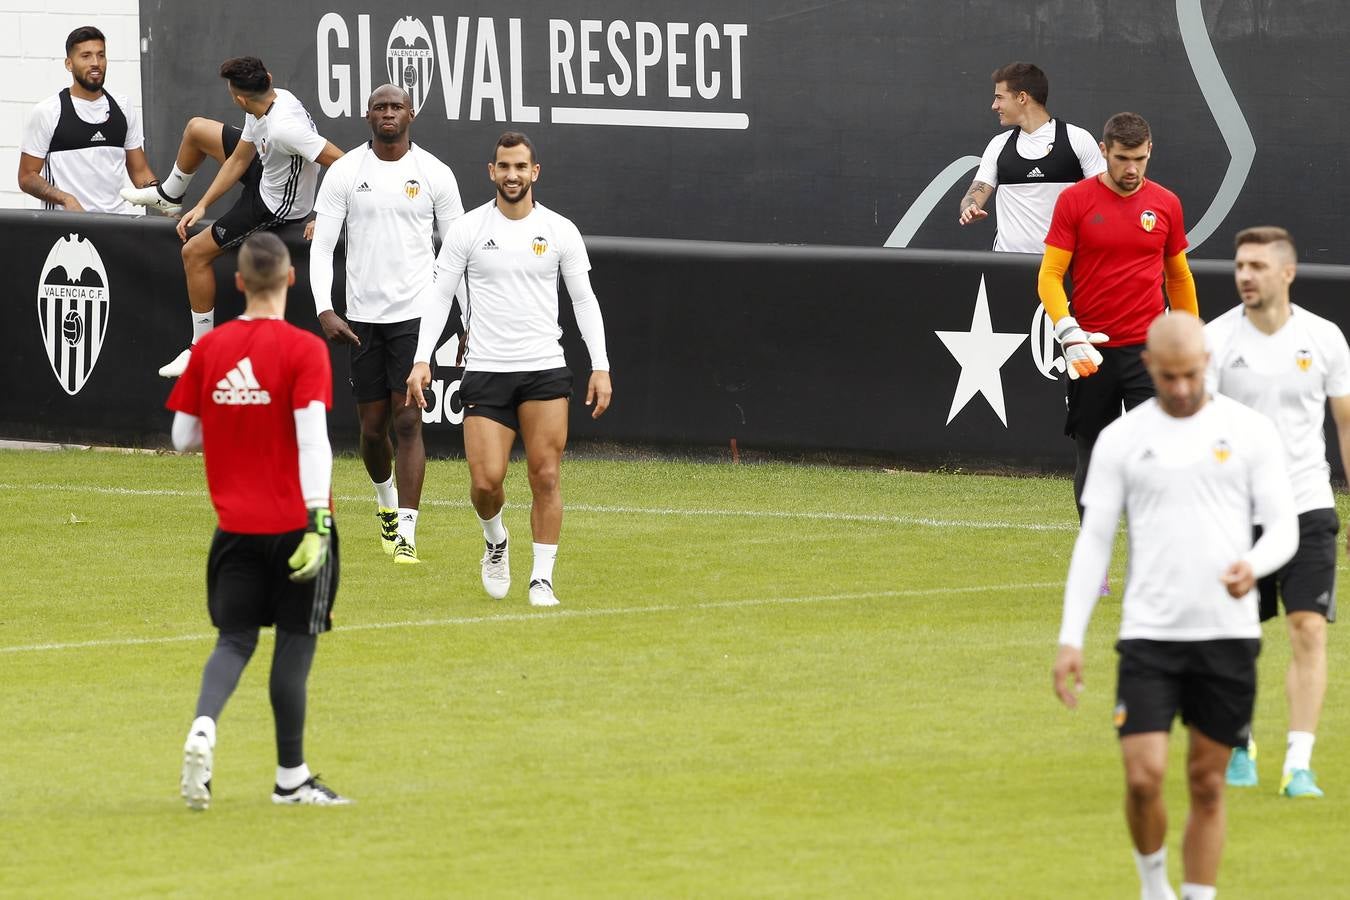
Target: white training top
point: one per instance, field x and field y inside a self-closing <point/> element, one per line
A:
<point x="1288" y="376"/>
<point x="392" y="210"/>
<point x="511" y="267"/>
<point x="94" y="175"/>
<point x="288" y="145"/>
<point x="1024" y="210"/>
<point x="1188" y="487"/>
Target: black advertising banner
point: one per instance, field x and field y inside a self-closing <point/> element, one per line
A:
<point x="854" y="123"/>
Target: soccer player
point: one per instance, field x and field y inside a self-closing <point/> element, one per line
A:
<point x="1030" y="165"/>
<point x="80" y="145"/>
<point x="1284" y="361"/>
<point x="276" y="155"/>
<point x="510" y="253"/>
<point x="1188" y="470"/>
<point x="393" y="196"/>
<point x="255" y="397"/>
<point x="1121" y="234"/>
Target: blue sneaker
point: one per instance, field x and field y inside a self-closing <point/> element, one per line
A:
<point x="1300" y="783"/>
<point x="1242" y="767"/>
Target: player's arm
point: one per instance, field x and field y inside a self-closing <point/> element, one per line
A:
<point x="187" y="431"/>
<point x="330" y="154"/>
<point x="1340" y="414"/>
<point x="1180" y="284"/>
<point x="586" y="308"/>
<point x="138" y="168"/>
<point x="1087" y="569"/>
<point x="326" y="231"/>
<point x="435" y="303"/>
<point x="229" y="174"/>
<point x="316" y="478"/>
<point x="1273" y="504"/>
<point x="32" y="183"/>
<point x="1081" y="359"/>
<point x="972" y="204"/>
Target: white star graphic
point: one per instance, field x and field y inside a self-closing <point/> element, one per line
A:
<point x="981" y="353"/>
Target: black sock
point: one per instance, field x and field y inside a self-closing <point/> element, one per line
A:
<point x="291" y="660"/>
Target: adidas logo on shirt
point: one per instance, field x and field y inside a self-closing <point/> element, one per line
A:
<point x="362" y="187"/>
<point x="98" y="136"/>
<point x="1146" y="455"/>
<point x="1036" y="173"/>
<point x="1239" y="363"/>
<point x="240" y="388"/>
<point x="490" y="245"/>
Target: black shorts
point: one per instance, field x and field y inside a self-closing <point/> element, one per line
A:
<point x="1121" y="382"/>
<point x="496" y="395"/>
<point x="249" y="213"/>
<point x="248" y="584"/>
<point x="1307" y="583"/>
<point x="1211" y="683"/>
<point x="380" y="366"/>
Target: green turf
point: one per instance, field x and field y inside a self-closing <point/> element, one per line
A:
<point x="764" y="680"/>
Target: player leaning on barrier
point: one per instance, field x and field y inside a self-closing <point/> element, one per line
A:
<point x="81" y="145"/>
<point x="393" y="196"/>
<point x="1029" y="166"/>
<point x="276" y="156"/>
<point x="1286" y="362"/>
<point x="510" y="253"/>
<point x="255" y="397"/>
<point x="1192" y="474"/>
<point x="1121" y="234"/>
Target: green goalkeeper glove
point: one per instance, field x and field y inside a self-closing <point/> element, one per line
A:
<point x="312" y="553"/>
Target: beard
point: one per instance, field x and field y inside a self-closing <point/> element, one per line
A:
<point x="91" y="85"/>
<point x="524" y="193"/>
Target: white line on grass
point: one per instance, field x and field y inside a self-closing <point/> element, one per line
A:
<point x="569" y="614"/>
<point x="925" y="521"/>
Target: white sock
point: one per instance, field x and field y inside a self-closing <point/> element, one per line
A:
<point x="1198" y="891"/>
<point x="1299" y="752"/>
<point x="207" y="725"/>
<point x="385" y="495"/>
<point x="202" y="322"/>
<point x="407" y="524"/>
<point x="290" y="779"/>
<point x="493" y="529"/>
<point x="177" y="183"/>
<point x="544" y="557"/>
<point x="1153" y="875"/>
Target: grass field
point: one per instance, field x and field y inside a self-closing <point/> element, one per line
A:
<point x="765" y="680"/>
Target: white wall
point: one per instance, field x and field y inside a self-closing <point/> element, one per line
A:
<point x="32" y="66"/>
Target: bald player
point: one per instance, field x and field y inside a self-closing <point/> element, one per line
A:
<point x="1193" y="473"/>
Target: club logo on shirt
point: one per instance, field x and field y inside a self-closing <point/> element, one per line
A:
<point x="240" y="387"/>
<point x="539" y="246"/>
<point x="412" y="188"/>
<point x="1303" y="359"/>
<point x="1118" y="717"/>
<point x="1222" y="450"/>
<point x="409" y="59"/>
<point x="72" y="302"/>
<point x="1147" y="219"/>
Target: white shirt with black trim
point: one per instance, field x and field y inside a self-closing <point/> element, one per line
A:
<point x="392" y="211"/>
<point x="288" y="145"/>
<point x="1024" y="210"/>
<point x="94" y="175"/>
<point x="511" y="268"/>
<point x="1288" y="376"/>
<point x="1190" y="488"/>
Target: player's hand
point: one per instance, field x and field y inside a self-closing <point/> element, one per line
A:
<point x="189" y="219"/>
<point x="1068" y="667"/>
<point x="599" y="391"/>
<point x="312" y="552"/>
<point x="335" y="329"/>
<point x="1081" y="359"/>
<point x="418" y="379"/>
<point x="309" y="229"/>
<point x="972" y="213"/>
<point x="1239" y="579"/>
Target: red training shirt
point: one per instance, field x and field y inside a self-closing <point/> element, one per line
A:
<point x="1118" y="246"/>
<point x="245" y="380"/>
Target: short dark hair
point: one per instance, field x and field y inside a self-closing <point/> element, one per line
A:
<point x="515" y="139"/>
<point x="1266" y="234"/>
<point x="264" y="262"/>
<point x="1126" y="129"/>
<point x="1021" y="76"/>
<point x="246" y="74"/>
<point x="82" y="34"/>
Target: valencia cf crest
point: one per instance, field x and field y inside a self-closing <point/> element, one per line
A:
<point x="1147" y="219"/>
<point x="539" y="246"/>
<point x="410" y="60"/>
<point x="1118" y="717"/>
<point x="1303" y="359"/>
<point x="412" y="188"/>
<point x="72" y="304"/>
<point x="1222" y="450"/>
